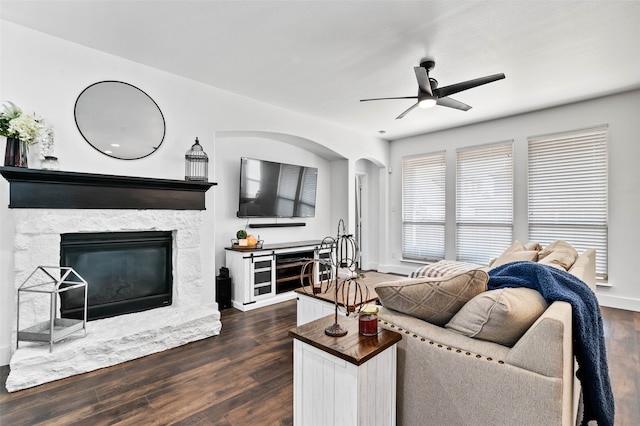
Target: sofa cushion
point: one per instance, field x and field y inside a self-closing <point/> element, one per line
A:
<point x="559" y="254"/>
<point x="443" y="268"/>
<point x="515" y="256"/>
<point x="435" y="300"/>
<point x="501" y="316"/>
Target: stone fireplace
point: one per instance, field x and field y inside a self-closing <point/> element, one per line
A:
<point x="109" y="341"/>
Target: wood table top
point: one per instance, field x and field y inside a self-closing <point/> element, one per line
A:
<point x="354" y="347"/>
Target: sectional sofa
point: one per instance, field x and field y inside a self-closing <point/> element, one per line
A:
<point x="500" y="357"/>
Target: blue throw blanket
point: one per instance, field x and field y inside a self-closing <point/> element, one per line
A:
<point x="588" y="334"/>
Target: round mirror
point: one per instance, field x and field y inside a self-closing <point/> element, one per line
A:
<point x="119" y="120"/>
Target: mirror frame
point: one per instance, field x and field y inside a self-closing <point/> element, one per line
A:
<point x="95" y="144"/>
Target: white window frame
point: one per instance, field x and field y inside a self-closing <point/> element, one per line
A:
<point x="424" y="207"/>
<point x="568" y="191"/>
<point x="484" y="201"/>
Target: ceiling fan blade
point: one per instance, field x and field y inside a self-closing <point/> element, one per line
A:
<point x="459" y="87"/>
<point x="423" y="80"/>
<point x="407" y="111"/>
<point x="452" y="103"/>
<point x="384" y="99"/>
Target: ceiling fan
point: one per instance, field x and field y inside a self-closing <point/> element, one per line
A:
<point x="429" y="94"/>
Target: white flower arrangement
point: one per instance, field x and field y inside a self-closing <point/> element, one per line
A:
<point x="29" y="128"/>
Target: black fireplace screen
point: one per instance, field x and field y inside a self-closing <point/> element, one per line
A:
<point x="126" y="272"/>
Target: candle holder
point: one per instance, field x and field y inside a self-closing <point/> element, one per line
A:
<point x="349" y="293"/>
<point x="368" y="320"/>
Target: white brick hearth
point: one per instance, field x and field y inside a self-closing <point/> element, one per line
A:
<point x="113" y="340"/>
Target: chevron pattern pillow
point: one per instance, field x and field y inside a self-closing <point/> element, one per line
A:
<point x="443" y="268"/>
<point x="435" y="300"/>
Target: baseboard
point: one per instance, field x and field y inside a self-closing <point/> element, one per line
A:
<point x="396" y="269"/>
<point x="625" y="303"/>
<point x="281" y="297"/>
<point x="371" y="266"/>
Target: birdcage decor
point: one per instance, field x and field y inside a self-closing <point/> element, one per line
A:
<point x="196" y="163"/>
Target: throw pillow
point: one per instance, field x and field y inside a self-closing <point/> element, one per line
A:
<point x="517" y="246"/>
<point x="443" y="268"/>
<point x="435" y="300"/>
<point x="533" y="246"/>
<point x="501" y="316"/>
<point x="515" y="256"/>
<point x="559" y="254"/>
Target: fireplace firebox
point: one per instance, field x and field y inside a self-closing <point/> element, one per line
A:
<point x="126" y="272"/>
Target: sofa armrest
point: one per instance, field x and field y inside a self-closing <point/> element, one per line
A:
<point x="546" y="348"/>
<point x="449" y="378"/>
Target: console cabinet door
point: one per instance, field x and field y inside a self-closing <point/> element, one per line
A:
<point x="262" y="277"/>
<point x="252" y="277"/>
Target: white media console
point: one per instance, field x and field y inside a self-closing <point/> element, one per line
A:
<point x="262" y="277"/>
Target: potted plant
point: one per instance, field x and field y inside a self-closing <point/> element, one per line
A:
<point x="241" y="235"/>
<point x="22" y="130"/>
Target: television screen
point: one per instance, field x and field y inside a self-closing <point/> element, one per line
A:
<point x="270" y="189"/>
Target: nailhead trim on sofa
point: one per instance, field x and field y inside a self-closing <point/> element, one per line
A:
<point x="449" y="348"/>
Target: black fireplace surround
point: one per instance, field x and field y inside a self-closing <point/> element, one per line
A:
<point x="126" y="272"/>
<point x="53" y="189"/>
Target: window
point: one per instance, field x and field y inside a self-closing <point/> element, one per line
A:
<point x="484" y="202"/>
<point x="423" y="207"/>
<point x="568" y="191"/>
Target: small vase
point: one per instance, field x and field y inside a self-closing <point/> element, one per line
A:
<point x="50" y="163"/>
<point x="15" y="154"/>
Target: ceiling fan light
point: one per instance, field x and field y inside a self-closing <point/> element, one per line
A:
<point x="427" y="103"/>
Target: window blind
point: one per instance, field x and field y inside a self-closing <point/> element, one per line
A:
<point x="484" y="202"/>
<point x="423" y="207"/>
<point x="568" y="191"/>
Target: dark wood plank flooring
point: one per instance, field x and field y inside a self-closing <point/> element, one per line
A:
<point x="622" y="338"/>
<point x="244" y="376"/>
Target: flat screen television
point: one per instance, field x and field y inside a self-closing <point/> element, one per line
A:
<point x="271" y="189"/>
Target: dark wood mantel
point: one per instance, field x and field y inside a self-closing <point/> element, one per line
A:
<point x="34" y="188"/>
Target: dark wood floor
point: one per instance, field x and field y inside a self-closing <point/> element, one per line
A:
<point x="241" y="377"/>
<point x="622" y="337"/>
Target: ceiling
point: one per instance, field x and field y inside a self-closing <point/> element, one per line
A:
<point x="320" y="57"/>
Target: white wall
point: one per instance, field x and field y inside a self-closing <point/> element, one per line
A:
<point x="46" y="74"/>
<point x="620" y="112"/>
<point x="341" y="198"/>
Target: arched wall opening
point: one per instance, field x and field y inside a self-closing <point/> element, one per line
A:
<point x="332" y="202"/>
